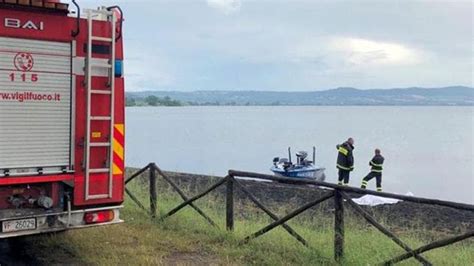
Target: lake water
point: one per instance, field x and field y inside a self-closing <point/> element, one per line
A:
<point x="428" y="151"/>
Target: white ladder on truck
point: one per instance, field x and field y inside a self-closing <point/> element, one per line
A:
<point x="90" y="64"/>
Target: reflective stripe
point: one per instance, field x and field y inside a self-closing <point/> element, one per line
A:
<point x="365" y="182"/>
<point x="345" y="168"/>
<point x="374" y="164"/>
<point x="118" y="142"/>
<point x="346" y="184"/>
<point x="379" y="189"/>
<point x="343" y="151"/>
<point x="377" y="171"/>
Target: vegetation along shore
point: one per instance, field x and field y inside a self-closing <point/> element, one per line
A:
<point x="446" y="96"/>
<point x="186" y="238"/>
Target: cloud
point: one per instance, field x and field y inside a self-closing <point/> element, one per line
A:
<point x="336" y="53"/>
<point x="225" y="6"/>
<point x="374" y="53"/>
<point x="299" y="45"/>
<point x="147" y="66"/>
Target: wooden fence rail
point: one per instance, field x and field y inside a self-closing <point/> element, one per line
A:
<point x="338" y="193"/>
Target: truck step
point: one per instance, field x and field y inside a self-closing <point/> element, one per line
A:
<point x="100" y="118"/>
<point x="101" y="92"/>
<point x="101" y="39"/>
<point x="99" y="144"/>
<point x="103" y="65"/>
<point x="99" y="196"/>
<point x="99" y="170"/>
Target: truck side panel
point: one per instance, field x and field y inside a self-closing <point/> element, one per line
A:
<point x="56" y="29"/>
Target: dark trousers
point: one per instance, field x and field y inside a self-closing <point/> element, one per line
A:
<point x="343" y="177"/>
<point x="378" y="177"/>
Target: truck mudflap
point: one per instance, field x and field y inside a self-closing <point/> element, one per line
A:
<point x="59" y="221"/>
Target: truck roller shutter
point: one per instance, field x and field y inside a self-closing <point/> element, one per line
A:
<point x="35" y="106"/>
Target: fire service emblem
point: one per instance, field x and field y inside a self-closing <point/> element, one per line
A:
<point x="23" y="61"/>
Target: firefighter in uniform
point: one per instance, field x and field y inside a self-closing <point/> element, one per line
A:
<point x="345" y="161"/>
<point x="376" y="171"/>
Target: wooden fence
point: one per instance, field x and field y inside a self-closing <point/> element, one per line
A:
<point x="335" y="192"/>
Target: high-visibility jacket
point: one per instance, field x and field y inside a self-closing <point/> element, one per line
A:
<point x="345" y="159"/>
<point x="377" y="163"/>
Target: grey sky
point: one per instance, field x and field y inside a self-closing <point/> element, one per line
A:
<point x="296" y="45"/>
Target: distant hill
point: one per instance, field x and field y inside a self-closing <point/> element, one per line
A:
<point x="455" y="95"/>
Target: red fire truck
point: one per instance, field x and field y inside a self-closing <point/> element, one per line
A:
<point x="61" y="116"/>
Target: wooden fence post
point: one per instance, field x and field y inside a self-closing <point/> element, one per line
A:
<point x="271" y="214"/>
<point x="382" y="229"/>
<point x="193" y="199"/>
<point x="433" y="245"/>
<point x="288" y="217"/>
<point x="230" y="203"/>
<point x="183" y="196"/>
<point x="338" y="226"/>
<point x="153" y="194"/>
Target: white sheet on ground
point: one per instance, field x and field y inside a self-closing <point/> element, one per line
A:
<point x="372" y="200"/>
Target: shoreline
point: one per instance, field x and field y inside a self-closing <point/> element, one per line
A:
<point x="400" y="216"/>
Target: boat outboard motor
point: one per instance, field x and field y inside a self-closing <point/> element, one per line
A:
<point x="285" y="163"/>
<point x="276" y="160"/>
<point x="301" y="156"/>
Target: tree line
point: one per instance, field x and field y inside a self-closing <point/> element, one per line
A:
<point x="152" y="101"/>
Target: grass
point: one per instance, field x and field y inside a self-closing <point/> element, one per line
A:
<point x="187" y="239"/>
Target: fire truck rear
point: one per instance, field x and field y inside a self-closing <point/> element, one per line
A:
<point x="61" y="116"/>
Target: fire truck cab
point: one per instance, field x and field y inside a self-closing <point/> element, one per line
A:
<point x="61" y="116"/>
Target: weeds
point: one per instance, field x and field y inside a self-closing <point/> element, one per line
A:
<point x="186" y="238"/>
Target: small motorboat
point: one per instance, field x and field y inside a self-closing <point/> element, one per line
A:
<point x="302" y="169"/>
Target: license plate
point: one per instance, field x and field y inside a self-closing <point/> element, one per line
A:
<point x="19" y="225"/>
